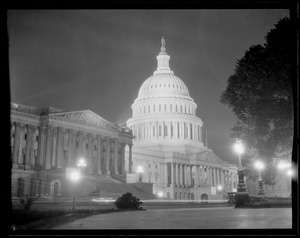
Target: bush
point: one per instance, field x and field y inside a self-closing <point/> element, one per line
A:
<point x="27" y="202"/>
<point x="128" y="201"/>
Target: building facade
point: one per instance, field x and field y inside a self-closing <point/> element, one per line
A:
<point x="45" y="142"/>
<point x="168" y="141"/>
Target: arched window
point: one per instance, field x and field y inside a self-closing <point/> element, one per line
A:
<point x="20" y="192"/>
<point x="33" y="187"/>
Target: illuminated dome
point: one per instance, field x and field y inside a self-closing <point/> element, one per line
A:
<point x="164" y="114"/>
<point x="163" y="82"/>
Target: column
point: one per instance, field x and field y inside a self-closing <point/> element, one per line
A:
<point x="183" y="175"/>
<point x="41" y="146"/>
<point x="123" y="171"/>
<point x="176" y="175"/>
<point x="130" y="158"/>
<point x="59" y="153"/>
<point x="70" y="147"/>
<point x="49" y="141"/>
<point x="180" y="175"/>
<point x="191" y="175"/>
<point x="99" y="154"/>
<point x="172" y="174"/>
<point x="169" y="129"/>
<point x="28" y="145"/>
<point x="17" y="143"/>
<point x="217" y="176"/>
<point x="54" y="144"/>
<point x="33" y="139"/>
<point x="175" y="133"/>
<point x="222" y="178"/>
<point x="80" y="145"/>
<point x="90" y="160"/>
<point x="165" y="174"/>
<point x="116" y="156"/>
<point x="196" y="176"/>
<point x="208" y="171"/>
<point x="188" y="126"/>
<point x="107" y="169"/>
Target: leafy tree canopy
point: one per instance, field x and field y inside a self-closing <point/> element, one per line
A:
<point x="260" y="94"/>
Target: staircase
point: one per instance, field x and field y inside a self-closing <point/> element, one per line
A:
<point x="105" y="186"/>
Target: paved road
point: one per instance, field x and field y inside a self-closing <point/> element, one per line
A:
<point x="188" y="218"/>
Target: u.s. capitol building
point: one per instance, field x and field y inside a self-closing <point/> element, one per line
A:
<point x="168" y="145"/>
<point x="159" y="151"/>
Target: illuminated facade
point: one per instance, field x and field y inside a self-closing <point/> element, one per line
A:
<point x="168" y="141"/>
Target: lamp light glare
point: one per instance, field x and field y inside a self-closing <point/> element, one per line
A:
<point x="160" y="194"/>
<point x="283" y="164"/>
<point x="290" y="172"/>
<point x="75" y="176"/>
<point x="238" y="147"/>
<point x="219" y="187"/>
<point x="139" y="169"/>
<point x="259" y="164"/>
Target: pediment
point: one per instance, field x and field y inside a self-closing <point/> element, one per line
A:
<point x="209" y="156"/>
<point x="85" y="117"/>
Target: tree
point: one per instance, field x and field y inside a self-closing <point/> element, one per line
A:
<point x="260" y="94"/>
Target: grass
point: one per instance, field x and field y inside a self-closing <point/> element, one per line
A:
<point x="32" y="220"/>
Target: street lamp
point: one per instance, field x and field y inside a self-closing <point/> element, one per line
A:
<point x="73" y="175"/>
<point x="239" y="148"/>
<point x="140" y="170"/>
<point x="260" y="165"/>
<point x="81" y="163"/>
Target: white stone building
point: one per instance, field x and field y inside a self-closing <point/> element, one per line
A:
<point x="44" y="142"/>
<point x="168" y="141"/>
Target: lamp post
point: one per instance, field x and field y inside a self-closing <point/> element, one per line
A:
<point x="140" y="170"/>
<point x="81" y="164"/>
<point x="73" y="175"/>
<point x="260" y="165"/>
<point x="239" y="148"/>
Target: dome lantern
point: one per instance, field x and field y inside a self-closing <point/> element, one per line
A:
<point x="163" y="59"/>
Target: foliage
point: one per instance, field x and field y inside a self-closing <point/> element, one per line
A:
<point x="128" y="201"/>
<point x="27" y="202"/>
<point x="260" y="94"/>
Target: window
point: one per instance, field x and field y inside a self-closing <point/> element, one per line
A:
<point x="153" y="130"/>
<point x="159" y="107"/>
<point x="165" y="130"/>
<point x="170" y="107"/>
<point x="165" y="107"/>
<point x="148" y="108"/>
<point x="153" y="108"/>
<point x="25" y="136"/>
<point x="159" y="131"/>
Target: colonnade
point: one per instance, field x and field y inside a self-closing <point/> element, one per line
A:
<point x="58" y="147"/>
<point x="187" y="175"/>
<point x="167" y="129"/>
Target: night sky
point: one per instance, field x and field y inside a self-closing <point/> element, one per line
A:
<point x="98" y="59"/>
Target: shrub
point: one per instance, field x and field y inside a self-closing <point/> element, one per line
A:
<point x="27" y="202"/>
<point x="128" y="201"/>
